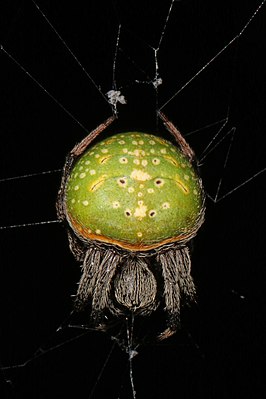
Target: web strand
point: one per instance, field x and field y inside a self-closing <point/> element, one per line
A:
<point x="98" y="379"/>
<point x="131" y="353"/>
<point x="217" y="55"/>
<point x="157" y="80"/>
<point x="216" y="200"/>
<point x="70" y="51"/>
<point x="115" y="57"/>
<point x="43" y="351"/>
<point x="42" y="88"/>
<point x="165" y="24"/>
<point x="20" y="177"/>
<point x="32" y="224"/>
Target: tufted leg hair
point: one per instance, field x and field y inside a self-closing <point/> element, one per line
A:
<point x="90" y="269"/>
<point x="178" y="285"/>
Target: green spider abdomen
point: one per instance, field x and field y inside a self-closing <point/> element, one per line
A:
<point x="135" y="190"/>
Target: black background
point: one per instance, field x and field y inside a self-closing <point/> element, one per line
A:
<point x="220" y="350"/>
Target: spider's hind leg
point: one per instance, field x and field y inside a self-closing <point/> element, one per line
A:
<point x="95" y="285"/>
<point x="90" y="268"/>
<point x="178" y="286"/>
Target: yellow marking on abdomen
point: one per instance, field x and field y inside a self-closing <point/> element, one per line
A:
<point x="97" y="183"/>
<point x="180" y="184"/>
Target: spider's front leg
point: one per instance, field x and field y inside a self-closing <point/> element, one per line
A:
<point x="185" y="147"/>
<point x="178" y="285"/>
<point x="77" y="150"/>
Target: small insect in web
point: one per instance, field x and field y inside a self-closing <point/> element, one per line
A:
<point x="132" y="204"/>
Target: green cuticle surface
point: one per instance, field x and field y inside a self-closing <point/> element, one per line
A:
<point x="135" y="188"/>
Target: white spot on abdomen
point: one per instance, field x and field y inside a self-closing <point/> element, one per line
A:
<point x="140" y="211"/>
<point x="138" y="174"/>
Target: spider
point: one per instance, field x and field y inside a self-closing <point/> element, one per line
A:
<point x="131" y="203"/>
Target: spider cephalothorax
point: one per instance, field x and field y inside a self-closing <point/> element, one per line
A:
<point x="132" y="202"/>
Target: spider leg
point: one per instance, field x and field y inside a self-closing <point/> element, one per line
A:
<point x="76" y="246"/>
<point x="90" y="269"/>
<point x="185" y="147"/>
<point x="102" y="285"/>
<point x="178" y="284"/>
<point x="79" y="148"/>
<point x="76" y="151"/>
<point x="95" y="284"/>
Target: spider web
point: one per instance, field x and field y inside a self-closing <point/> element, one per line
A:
<point x="39" y="273"/>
